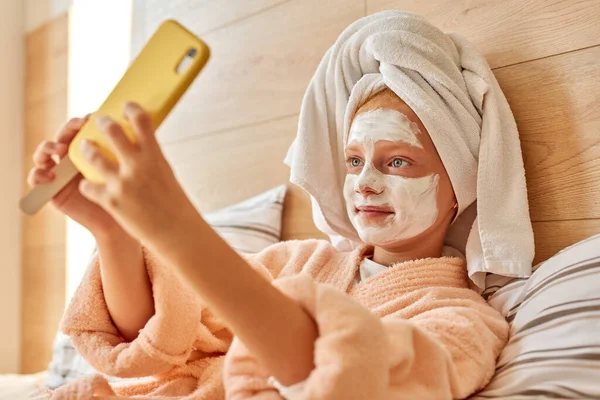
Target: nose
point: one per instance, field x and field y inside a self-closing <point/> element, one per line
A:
<point x="368" y="183"/>
<point x="366" y="190"/>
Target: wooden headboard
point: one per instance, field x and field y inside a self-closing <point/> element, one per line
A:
<point x="227" y="138"/>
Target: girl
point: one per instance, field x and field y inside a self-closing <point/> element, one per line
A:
<point x="393" y="128"/>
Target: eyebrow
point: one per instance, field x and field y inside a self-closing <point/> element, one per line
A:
<point x="353" y="146"/>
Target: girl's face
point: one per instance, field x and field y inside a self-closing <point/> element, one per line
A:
<point x="396" y="188"/>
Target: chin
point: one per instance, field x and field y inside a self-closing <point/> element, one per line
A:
<point x="375" y="235"/>
<point x="384" y="235"/>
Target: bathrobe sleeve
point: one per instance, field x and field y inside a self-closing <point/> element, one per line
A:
<point x="447" y="349"/>
<point x="179" y="326"/>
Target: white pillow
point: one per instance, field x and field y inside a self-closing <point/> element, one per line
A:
<point x="554" y="316"/>
<point x="248" y="227"/>
<point x="252" y="225"/>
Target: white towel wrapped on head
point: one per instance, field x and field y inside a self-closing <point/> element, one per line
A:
<point x="454" y="93"/>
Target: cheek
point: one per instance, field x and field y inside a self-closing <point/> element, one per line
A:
<point x="445" y="198"/>
<point x="417" y="196"/>
<point x="349" y="188"/>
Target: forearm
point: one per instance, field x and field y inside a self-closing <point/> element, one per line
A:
<point x="274" y="327"/>
<point x="125" y="282"/>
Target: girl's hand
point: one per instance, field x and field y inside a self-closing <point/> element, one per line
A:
<point x="140" y="191"/>
<point x="69" y="200"/>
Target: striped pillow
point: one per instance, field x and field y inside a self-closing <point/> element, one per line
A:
<point x="554" y="316"/>
<point x="252" y="225"/>
<point x="248" y="227"/>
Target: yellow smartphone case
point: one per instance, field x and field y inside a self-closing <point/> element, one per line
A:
<point x="154" y="80"/>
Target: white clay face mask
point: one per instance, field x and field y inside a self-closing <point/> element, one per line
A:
<point x="395" y="207"/>
<point x="384" y="124"/>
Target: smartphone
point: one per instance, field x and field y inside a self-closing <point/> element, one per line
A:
<point x="156" y="80"/>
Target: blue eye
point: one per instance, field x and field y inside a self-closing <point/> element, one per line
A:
<point x="399" y="163"/>
<point x="355" y="162"/>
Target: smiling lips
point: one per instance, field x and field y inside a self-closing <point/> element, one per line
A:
<point x="374" y="212"/>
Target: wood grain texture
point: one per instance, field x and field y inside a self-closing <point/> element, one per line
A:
<point x="43" y="303"/>
<point x="44" y="235"/>
<point x="243" y="162"/>
<point x="203" y="16"/>
<point x="47" y="46"/>
<point x="47" y="115"/>
<point x="297" y="216"/>
<point x="553" y="236"/>
<point x="260" y="66"/>
<point x="510" y="31"/>
<point x="224" y="168"/>
<point x="210" y="15"/>
<point x="556" y="104"/>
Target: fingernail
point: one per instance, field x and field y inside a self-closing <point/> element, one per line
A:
<point x="82" y="185"/>
<point x="85" y="144"/>
<point x="102" y="119"/>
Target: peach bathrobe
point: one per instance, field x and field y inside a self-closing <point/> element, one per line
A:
<point x="415" y="331"/>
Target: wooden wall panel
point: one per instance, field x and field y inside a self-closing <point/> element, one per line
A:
<point x="227" y="167"/>
<point x="555" y="103"/>
<point x="297" y="216"/>
<point x="260" y="66"/>
<point x="47" y="46"/>
<point x="11" y="157"/>
<point x="224" y="168"/>
<point x="553" y="236"/>
<point x="204" y="15"/>
<point x="44" y="235"/>
<point x="43" y="300"/>
<point x="511" y="31"/>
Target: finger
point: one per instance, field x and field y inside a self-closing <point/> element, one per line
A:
<point x="39" y="176"/>
<point x="140" y="122"/>
<point x="97" y="160"/>
<point x="95" y="192"/>
<point x="42" y="157"/>
<point x="116" y="136"/>
<point x="68" y="131"/>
